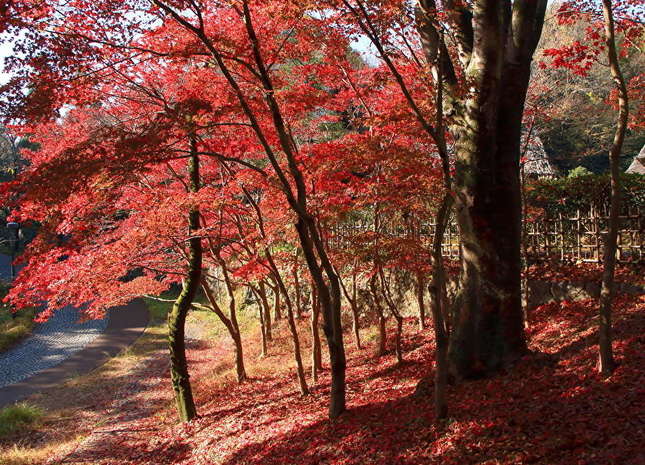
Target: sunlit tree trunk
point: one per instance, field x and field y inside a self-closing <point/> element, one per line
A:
<point x="177" y="316"/>
<point x="263" y="329"/>
<point x="496" y="41"/>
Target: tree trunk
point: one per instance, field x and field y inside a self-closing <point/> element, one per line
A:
<point x="488" y="331"/>
<point x="397" y="316"/>
<point x="177" y="316"/>
<point x="231" y="326"/>
<point x="263" y="328"/>
<point x="239" y="357"/>
<point x="607" y="363"/>
<point x="235" y="328"/>
<point x="298" y="291"/>
<point x="277" y="312"/>
<point x="382" y="330"/>
<point x="420" y="301"/>
<point x="267" y="310"/>
<point x="355" y="315"/>
<point x="304" y="390"/>
<point x="330" y="299"/>
<point x="354" y="308"/>
<point x="438" y="308"/>
<point x="316" y="354"/>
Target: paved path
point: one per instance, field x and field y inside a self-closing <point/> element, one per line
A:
<point x="48" y="345"/>
<point x="61" y="349"/>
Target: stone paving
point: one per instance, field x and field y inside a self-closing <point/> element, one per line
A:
<point x="50" y="344"/>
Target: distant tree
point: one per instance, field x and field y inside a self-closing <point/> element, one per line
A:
<point x="578" y="123"/>
<point x="578" y="171"/>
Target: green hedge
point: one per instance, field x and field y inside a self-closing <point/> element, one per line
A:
<point x="566" y="195"/>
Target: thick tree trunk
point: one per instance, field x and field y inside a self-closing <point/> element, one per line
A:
<point x="178" y="364"/>
<point x="488" y="330"/>
<point x="177" y="316"/>
<point x="607" y="363"/>
<point x="239" y="357"/>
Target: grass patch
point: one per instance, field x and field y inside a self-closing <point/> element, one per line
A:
<point x="17" y="418"/>
<point x="16" y="327"/>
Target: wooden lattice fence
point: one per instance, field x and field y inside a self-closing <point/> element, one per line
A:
<point x="568" y="238"/>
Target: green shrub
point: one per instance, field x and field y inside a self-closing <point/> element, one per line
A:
<point x="14" y="328"/>
<point x="16" y="418"/>
<point x="581" y="191"/>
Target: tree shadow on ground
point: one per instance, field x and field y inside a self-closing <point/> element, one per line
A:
<point x="546" y="413"/>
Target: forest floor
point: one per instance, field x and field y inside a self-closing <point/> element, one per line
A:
<point x="551" y="408"/>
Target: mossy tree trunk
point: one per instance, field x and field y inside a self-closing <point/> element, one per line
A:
<point x="496" y="42"/>
<point x="177" y="316"/>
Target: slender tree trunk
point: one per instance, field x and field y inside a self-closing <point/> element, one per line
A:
<point x="607" y="363"/>
<point x="237" y="337"/>
<point x="382" y="330"/>
<point x="420" y="300"/>
<point x="277" y="310"/>
<point x="397" y="316"/>
<point x="263" y="328"/>
<point x="355" y="314"/>
<point x="354" y="308"/>
<point x="231" y="327"/>
<point x="438" y="308"/>
<point x="267" y="310"/>
<point x="298" y="291"/>
<point x="304" y="390"/>
<point x="316" y="355"/>
<point x="177" y="316"/>
<point x="330" y="297"/>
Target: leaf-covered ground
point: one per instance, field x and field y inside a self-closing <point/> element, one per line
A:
<point x="551" y="408"/>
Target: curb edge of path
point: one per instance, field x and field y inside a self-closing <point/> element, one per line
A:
<point x="125" y="325"/>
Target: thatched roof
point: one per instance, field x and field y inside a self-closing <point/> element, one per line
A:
<point x="638" y="164"/>
<point x="537" y="162"/>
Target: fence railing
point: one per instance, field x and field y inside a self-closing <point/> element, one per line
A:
<point x="579" y="237"/>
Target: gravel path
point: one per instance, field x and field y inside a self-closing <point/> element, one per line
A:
<point x="50" y="344"/>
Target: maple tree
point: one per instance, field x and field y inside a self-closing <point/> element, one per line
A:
<point x="616" y="17"/>
<point x="228" y="147"/>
